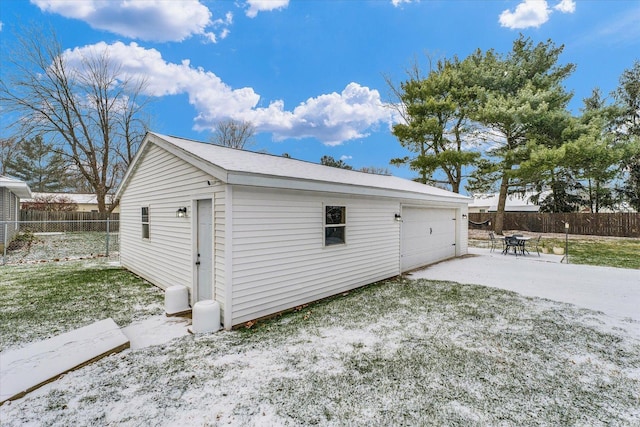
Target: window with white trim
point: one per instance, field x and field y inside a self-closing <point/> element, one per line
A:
<point x="145" y="222"/>
<point x="335" y="225"/>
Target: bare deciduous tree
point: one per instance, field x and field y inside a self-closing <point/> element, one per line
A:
<point x="89" y="108"/>
<point x="376" y="170"/>
<point x="234" y="133"/>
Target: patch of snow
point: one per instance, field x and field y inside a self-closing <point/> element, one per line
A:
<point x="155" y="330"/>
<point x="464" y="411"/>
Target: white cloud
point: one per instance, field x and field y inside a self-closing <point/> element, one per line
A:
<point x="533" y="13"/>
<point x="345" y="157"/>
<point x="529" y="13"/>
<point x="566" y="6"/>
<point x="397" y="3"/>
<point x="153" y="20"/>
<point x="228" y="20"/>
<point x="256" y="6"/>
<point x="331" y="118"/>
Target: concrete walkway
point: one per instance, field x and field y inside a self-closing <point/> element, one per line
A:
<point x="614" y="291"/>
<point x="41" y="362"/>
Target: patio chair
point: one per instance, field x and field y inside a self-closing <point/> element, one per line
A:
<point x="521" y="243"/>
<point x="537" y="241"/>
<point x="493" y="241"/>
<point x="511" y="242"/>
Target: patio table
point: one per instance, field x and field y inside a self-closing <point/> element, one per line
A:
<point x="518" y="243"/>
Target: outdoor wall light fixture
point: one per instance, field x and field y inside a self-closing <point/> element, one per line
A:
<point x="181" y="212"/>
<point x="464" y="215"/>
<point x="397" y="217"/>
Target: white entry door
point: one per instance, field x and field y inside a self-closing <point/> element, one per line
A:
<point x="428" y="235"/>
<point x="204" y="259"/>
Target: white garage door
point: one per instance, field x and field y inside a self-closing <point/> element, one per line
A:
<point x="428" y="236"/>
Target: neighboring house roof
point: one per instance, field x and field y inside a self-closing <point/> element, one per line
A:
<point x="78" y="198"/>
<point x="233" y="166"/>
<point x="514" y="203"/>
<point x="17" y="187"/>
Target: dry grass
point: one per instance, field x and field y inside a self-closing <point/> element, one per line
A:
<point x="38" y="301"/>
<point x="621" y="252"/>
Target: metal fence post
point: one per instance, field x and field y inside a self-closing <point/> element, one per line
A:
<point x="107" y="254"/>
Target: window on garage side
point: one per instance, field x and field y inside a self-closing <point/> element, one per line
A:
<point x="335" y="224"/>
<point x="145" y="222"/>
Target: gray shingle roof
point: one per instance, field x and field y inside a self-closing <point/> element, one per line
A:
<point x="247" y="162"/>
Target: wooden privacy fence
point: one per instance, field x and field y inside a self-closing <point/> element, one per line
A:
<point x="51" y="222"/>
<point x="597" y="224"/>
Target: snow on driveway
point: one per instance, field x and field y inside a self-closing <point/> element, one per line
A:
<point x="614" y="291"/>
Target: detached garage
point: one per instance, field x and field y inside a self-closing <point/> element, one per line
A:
<point x="260" y="233"/>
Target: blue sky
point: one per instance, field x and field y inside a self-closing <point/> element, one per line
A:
<point x="309" y="73"/>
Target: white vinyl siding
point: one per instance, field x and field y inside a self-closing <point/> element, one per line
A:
<point x="4" y="204"/>
<point x="279" y="257"/>
<point x="4" y="214"/>
<point x="9" y="212"/>
<point x="462" y="231"/>
<point x="163" y="183"/>
<point x="219" y="204"/>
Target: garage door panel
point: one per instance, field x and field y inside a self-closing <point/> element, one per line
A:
<point x="428" y="236"/>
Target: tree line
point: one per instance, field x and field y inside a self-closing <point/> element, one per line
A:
<point x="500" y="123"/>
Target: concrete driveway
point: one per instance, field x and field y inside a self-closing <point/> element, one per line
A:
<point x="614" y="291"/>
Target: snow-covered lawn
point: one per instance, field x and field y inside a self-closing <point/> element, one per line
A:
<point x="38" y="301"/>
<point x="64" y="246"/>
<point x="395" y="353"/>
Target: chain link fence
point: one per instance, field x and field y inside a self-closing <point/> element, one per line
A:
<point x="42" y="241"/>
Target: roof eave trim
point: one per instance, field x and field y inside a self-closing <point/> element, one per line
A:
<point x="23" y="193"/>
<point x="253" y="180"/>
<point x="21" y="190"/>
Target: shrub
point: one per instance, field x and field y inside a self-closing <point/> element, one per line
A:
<point x="21" y="240"/>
